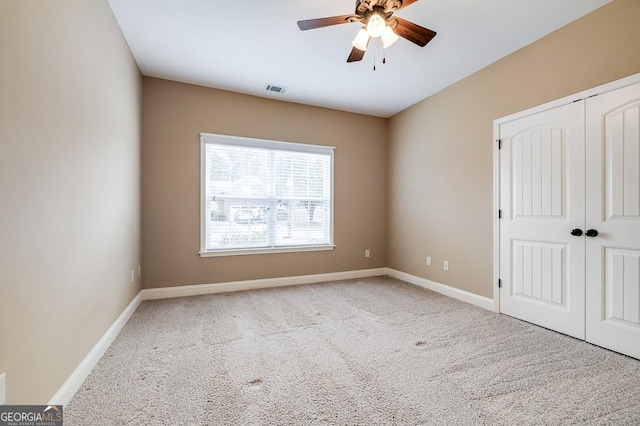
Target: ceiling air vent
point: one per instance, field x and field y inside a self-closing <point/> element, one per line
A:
<point x="274" y="88"/>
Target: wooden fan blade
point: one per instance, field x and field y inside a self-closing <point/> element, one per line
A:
<point x="311" y="24"/>
<point x="355" y="55"/>
<point x="413" y="32"/>
<point x="406" y="3"/>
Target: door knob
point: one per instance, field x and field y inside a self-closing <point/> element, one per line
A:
<point x="576" y="232"/>
<point x="591" y="233"/>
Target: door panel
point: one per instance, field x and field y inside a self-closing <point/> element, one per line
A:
<point x="622" y="174"/>
<point x="537" y="173"/>
<point x="613" y="209"/>
<point x="622" y="281"/>
<point x="542" y="200"/>
<point x="537" y="271"/>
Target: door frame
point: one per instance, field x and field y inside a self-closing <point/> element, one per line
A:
<point x="580" y="96"/>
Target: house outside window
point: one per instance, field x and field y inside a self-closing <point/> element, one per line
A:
<point x="262" y="196"/>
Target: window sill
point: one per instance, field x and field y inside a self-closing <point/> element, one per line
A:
<point x="241" y="252"/>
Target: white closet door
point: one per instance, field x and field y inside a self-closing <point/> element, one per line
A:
<point x="542" y="166"/>
<point x="613" y="210"/>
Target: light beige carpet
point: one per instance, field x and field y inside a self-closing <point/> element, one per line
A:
<point x="368" y="352"/>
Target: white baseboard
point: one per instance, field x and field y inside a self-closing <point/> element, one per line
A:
<point x="75" y="380"/>
<point x="198" y="289"/>
<point x="465" y="296"/>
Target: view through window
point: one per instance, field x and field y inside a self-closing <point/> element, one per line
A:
<point x="261" y="195"/>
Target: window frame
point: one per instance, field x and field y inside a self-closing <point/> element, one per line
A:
<point x="219" y="139"/>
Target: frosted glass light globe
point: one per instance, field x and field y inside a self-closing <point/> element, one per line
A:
<point x="376" y="25"/>
<point x="361" y="41"/>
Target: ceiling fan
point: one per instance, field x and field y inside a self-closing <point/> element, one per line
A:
<point x="376" y="16"/>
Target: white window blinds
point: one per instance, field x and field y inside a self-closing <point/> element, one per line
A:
<point x="260" y="195"/>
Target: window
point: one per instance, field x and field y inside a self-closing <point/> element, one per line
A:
<point x="261" y="196"/>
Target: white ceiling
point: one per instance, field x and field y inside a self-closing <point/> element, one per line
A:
<point x="242" y="45"/>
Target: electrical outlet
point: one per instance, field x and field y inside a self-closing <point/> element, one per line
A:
<point x="446" y="265"/>
<point x="367" y="253"/>
<point x="133" y="276"/>
<point x="3" y="388"/>
<point x="428" y="261"/>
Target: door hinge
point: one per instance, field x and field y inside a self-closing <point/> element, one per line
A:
<point x="499" y="283"/>
<point x="499" y="141"/>
<point x="499" y="214"/>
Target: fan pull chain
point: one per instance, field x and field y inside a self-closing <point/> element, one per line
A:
<point x="384" y="55"/>
<point x="374" y="60"/>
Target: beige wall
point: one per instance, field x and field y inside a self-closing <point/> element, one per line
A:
<point x="440" y="150"/>
<point x="174" y="114"/>
<point x="69" y="187"/>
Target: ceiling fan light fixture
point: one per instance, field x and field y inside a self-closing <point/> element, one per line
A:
<point x="376" y="25"/>
<point x="362" y="40"/>
<point x="377" y="19"/>
<point x="389" y="37"/>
